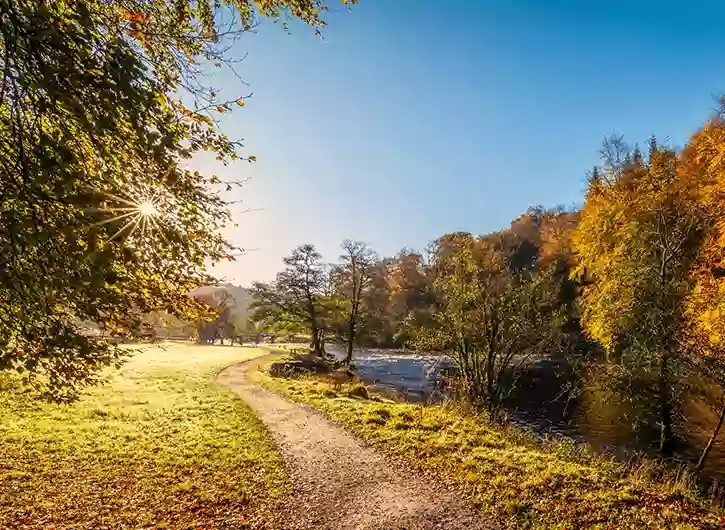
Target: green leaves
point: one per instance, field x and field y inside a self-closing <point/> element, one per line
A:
<point x="297" y="296"/>
<point x="489" y="312"/>
<point x="92" y="134"/>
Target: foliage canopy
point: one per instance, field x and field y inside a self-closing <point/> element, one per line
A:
<point x="102" y="105"/>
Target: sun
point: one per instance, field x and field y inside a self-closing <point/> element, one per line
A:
<point x="147" y="209"/>
<point x="141" y="213"/>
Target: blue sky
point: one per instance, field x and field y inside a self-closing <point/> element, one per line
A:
<point x="413" y="118"/>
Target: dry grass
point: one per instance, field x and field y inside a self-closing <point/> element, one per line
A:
<point x="162" y="445"/>
<point x="509" y="476"/>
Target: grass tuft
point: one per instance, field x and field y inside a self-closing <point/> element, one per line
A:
<point x="358" y="390"/>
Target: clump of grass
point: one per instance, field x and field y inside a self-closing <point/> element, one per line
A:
<point x="377" y="420"/>
<point x="513" y="478"/>
<point x="162" y="445"/>
<point x="358" y="390"/>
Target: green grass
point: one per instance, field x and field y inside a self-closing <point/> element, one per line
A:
<point x="512" y="478"/>
<point x="161" y="445"/>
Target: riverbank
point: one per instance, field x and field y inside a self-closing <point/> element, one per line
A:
<point x="506" y="474"/>
<point x="161" y="445"/>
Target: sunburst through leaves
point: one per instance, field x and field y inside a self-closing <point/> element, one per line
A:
<point x="138" y="214"/>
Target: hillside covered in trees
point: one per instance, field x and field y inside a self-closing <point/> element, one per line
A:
<point x="226" y="317"/>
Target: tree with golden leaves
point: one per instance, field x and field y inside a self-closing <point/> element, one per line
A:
<point x="638" y="235"/>
<point x="704" y="335"/>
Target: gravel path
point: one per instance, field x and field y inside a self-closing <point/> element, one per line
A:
<point x="339" y="483"/>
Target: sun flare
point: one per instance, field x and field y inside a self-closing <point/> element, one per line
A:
<point x="147" y="209"/>
<point x="138" y="214"/>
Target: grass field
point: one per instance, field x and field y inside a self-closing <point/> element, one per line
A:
<point x="514" y="479"/>
<point x="162" y="445"/>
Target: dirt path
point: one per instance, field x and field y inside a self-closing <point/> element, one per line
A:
<point x="339" y="482"/>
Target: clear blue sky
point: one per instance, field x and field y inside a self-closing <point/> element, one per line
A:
<point x="413" y="118"/>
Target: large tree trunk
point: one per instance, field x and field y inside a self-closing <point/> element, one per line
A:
<point x="711" y="441"/>
<point x="316" y="345"/>
<point x="665" y="408"/>
<point x="350" y="342"/>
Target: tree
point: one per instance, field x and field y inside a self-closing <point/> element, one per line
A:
<point x="218" y="324"/>
<point x="704" y="337"/>
<point x="521" y="243"/>
<point x="379" y="329"/>
<point x="352" y="280"/>
<point x="102" y="102"/>
<point x="166" y="326"/>
<point x="556" y="255"/>
<point x="247" y="330"/>
<point x="409" y="285"/>
<point x="491" y="319"/>
<point x="298" y="295"/>
<point x="703" y="159"/>
<point x="638" y="235"/>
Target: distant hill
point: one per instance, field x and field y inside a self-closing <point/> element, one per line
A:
<point x="241" y="296"/>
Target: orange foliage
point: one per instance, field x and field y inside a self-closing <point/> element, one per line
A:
<point x="556" y="237"/>
<point x="135" y="16"/>
<point x="704" y="159"/>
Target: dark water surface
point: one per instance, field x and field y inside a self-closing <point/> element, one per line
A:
<point x="541" y="406"/>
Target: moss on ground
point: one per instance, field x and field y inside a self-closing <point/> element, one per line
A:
<point x="161" y="445"/>
<point x="514" y="479"/>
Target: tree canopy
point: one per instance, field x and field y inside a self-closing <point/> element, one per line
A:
<point x="103" y="104"/>
<point x="352" y="282"/>
<point x="298" y="295"/>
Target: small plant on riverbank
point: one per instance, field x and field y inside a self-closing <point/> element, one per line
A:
<point x="510" y="476"/>
<point x="358" y="390"/>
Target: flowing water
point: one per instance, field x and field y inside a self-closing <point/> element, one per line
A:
<point x="407" y="374"/>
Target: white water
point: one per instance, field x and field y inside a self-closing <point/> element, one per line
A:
<point x="412" y="374"/>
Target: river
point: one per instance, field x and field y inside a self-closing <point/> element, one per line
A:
<point x="595" y="415"/>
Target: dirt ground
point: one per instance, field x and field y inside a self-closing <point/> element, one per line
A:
<point x="340" y="483"/>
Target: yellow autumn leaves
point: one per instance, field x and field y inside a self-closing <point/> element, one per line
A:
<point x="651" y="245"/>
